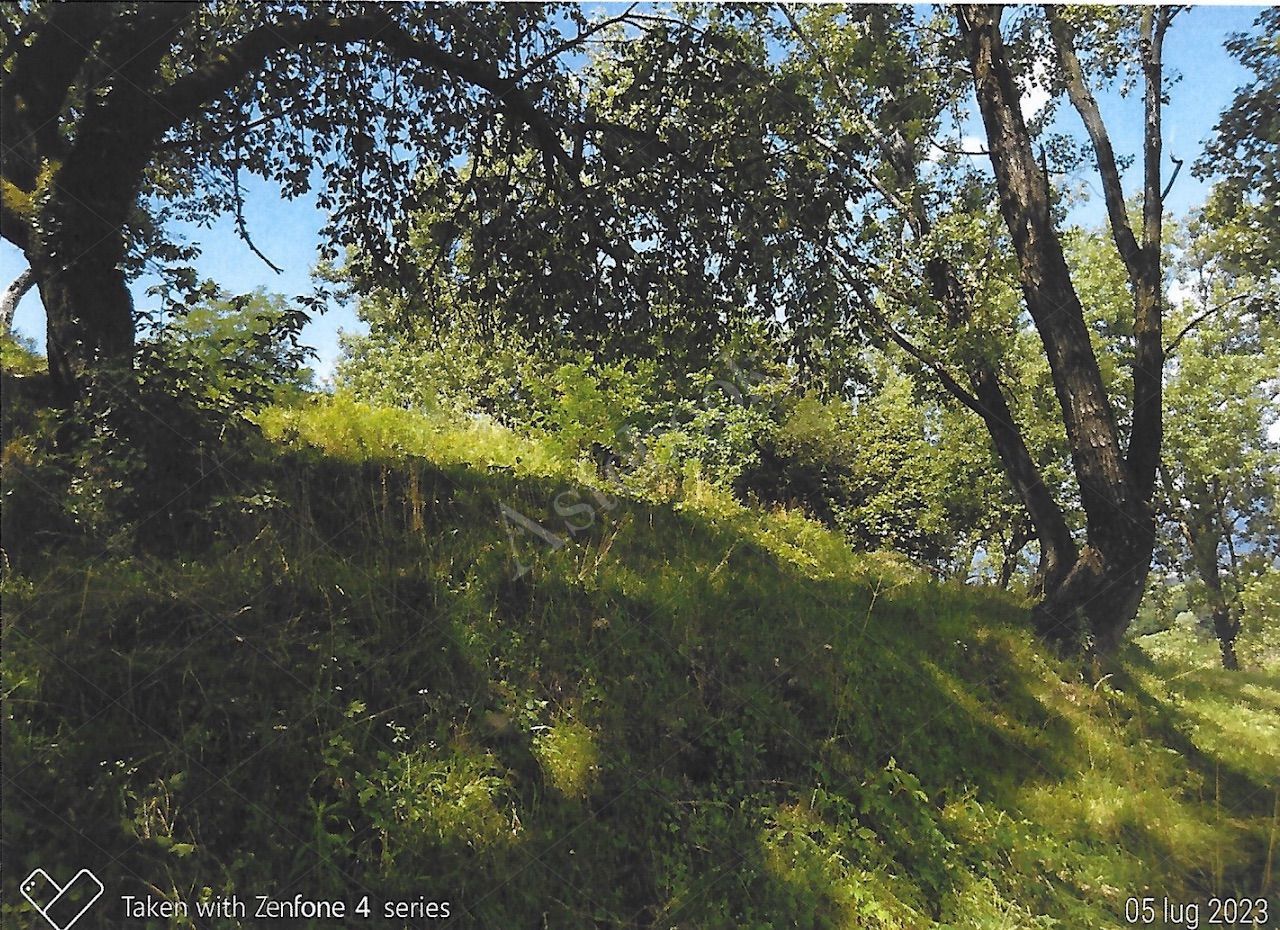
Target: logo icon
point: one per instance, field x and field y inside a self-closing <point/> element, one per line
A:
<point x="61" y="905"/>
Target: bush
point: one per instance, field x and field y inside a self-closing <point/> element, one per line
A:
<point x="150" y="453"/>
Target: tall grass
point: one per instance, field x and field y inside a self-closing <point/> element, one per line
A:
<point x="687" y="713"/>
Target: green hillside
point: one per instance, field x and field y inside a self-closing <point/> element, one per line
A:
<point x="430" y="663"/>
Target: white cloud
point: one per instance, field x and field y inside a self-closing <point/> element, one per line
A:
<point x="1033" y="101"/>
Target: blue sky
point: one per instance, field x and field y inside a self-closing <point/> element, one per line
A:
<point x="288" y="232"/>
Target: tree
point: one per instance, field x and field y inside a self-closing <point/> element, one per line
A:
<point x="893" y="82"/>
<point x="1103" y="580"/>
<point x="807" y="171"/>
<point x="247" y="345"/>
<point x="1246" y="148"/>
<point x="120" y="115"/>
<point x="1222" y="495"/>
<point x="889" y="84"/>
<point x="689" y="219"/>
<point x="1218" y="480"/>
<point x="1219" y="485"/>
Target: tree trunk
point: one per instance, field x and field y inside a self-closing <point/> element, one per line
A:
<point x="73" y="234"/>
<point x="1019" y="536"/>
<point x="1099" y="593"/>
<point x="1200" y="529"/>
<point x="13" y="294"/>
<point x="80" y="266"/>
<point x="1148" y="286"/>
<point x="89" y="326"/>
<point x="1226" y="628"/>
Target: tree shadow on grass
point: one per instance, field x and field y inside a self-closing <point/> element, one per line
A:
<point x="1244" y="791"/>
<point x="354" y="687"/>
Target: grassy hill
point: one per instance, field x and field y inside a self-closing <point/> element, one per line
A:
<point x="423" y="662"/>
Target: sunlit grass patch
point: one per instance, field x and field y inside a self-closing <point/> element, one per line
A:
<point x="567" y="752"/>
<point x="425" y="797"/>
<point x="829" y="872"/>
<point x="345" y="428"/>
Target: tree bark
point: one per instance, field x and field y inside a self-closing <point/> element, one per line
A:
<point x="1103" y="587"/>
<point x="13" y="294"/>
<point x="79" y="258"/>
<point x="89" y="323"/>
<point x="1145" y="436"/>
<point x="1226" y="628"/>
<point x="1141" y="260"/>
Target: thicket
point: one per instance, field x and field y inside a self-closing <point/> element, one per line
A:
<point x="882" y="461"/>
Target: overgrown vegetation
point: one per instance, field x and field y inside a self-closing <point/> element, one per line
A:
<point x="691" y="713"/>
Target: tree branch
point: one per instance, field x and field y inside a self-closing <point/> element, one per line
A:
<point x="12" y="226"/>
<point x="955" y="150"/>
<point x="233" y="136"/>
<point x="1200" y="318"/>
<point x="183" y="99"/>
<point x="889" y="151"/>
<point x="1085" y="104"/>
<point x="1177" y="167"/>
<point x="948" y="380"/>
<point x="12" y="295"/>
<point x="43" y="73"/>
<point x="986" y="399"/>
<point x="241" y="227"/>
<point x="574" y="42"/>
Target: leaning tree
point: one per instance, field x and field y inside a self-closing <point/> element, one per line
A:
<point x="120" y="116"/>
<point x="926" y="263"/>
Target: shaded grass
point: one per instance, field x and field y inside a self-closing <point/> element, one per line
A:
<point x="688" y="713"/>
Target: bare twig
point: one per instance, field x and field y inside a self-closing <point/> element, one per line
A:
<point x="1200" y="318"/>
<point x="241" y="227"/>
<point x="574" y="42"/>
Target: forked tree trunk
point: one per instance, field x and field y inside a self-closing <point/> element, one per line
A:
<point x="74" y="233"/>
<point x="1100" y="590"/>
<point x="1100" y="594"/>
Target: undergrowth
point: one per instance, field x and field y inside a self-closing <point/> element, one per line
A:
<point x="426" y="660"/>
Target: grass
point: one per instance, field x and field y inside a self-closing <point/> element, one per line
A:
<point x="437" y="661"/>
